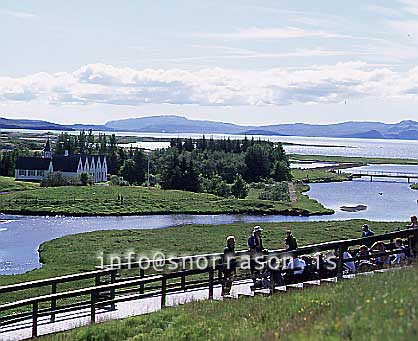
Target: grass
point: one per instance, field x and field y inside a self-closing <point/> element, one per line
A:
<point x="76" y="253"/>
<point x="8" y="184"/>
<point x="317" y="175"/>
<point x="379" y="307"/>
<point x="414" y="186"/>
<point x="103" y="200"/>
<point x="362" y="160"/>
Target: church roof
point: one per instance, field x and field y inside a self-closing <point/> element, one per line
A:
<point x="62" y="163"/>
<point x="32" y="163"/>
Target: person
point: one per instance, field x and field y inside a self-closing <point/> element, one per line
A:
<point x="413" y="242"/>
<point x="255" y="241"/>
<point x="255" y="244"/>
<point x="364" y="262"/>
<point x="414" y="222"/>
<point x="367" y="232"/>
<point x="400" y="256"/>
<point x="290" y="241"/>
<point x="228" y="265"/>
<point x="379" y="248"/>
<point x="349" y="266"/>
<point x="299" y="265"/>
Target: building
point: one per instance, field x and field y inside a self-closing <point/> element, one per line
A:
<point x="36" y="168"/>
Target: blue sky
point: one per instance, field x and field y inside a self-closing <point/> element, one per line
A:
<point x="250" y="62"/>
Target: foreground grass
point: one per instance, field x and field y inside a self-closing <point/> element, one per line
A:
<point x="8" y="184"/>
<point x="104" y="200"/>
<point x="76" y="253"/>
<point x="362" y="160"/>
<point x="379" y="307"/>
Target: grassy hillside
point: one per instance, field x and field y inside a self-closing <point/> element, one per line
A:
<point x="8" y="184"/>
<point x="379" y="307"/>
<point x="104" y="200"/>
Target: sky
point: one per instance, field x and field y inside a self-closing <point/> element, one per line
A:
<point x="240" y="61"/>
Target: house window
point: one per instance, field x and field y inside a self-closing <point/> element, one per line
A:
<point x="22" y="172"/>
<point x="32" y="172"/>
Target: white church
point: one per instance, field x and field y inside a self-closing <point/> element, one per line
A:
<point x="37" y="168"/>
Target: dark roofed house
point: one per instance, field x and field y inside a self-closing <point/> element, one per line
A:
<point x="36" y="168"/>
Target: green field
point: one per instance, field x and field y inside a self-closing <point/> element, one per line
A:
<point x="104" y="200"/>
<point x="8" y="184"/>
<point x="362" y="160"/>
<point x="379" y="307"/>
<point x="76" y="253"/>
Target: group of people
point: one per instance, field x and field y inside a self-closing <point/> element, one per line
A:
<point x="256" y="249"/>
<point x="377" y="254"/>
<point x="370" y="255"/>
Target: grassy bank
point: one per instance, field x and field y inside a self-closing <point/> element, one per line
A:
<point x="379" y="307"/>
<point x="8" y="184"/>
<point x="317" y="175"/>
<point x="362" y="160"/>
<point x="105" y="200"/>
<point x="75" y="253"/>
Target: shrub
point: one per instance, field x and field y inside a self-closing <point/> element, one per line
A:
<point x="57" y="179"/>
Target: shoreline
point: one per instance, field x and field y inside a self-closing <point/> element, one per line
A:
<point x="285" y="212"/>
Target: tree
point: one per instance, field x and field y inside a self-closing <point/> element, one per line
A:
<point x="127" y="171"/>
<point x="281" y="171"/>
<point x="84" y="179"/>
<point x="257" y="162"/>
<point x="239" y="188"/>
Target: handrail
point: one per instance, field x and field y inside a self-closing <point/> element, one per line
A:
<point x="54" y="280"/>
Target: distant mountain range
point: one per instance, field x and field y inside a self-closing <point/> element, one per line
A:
<point x="405" y="130"/>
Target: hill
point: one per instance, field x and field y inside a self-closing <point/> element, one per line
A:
<point x="6" y="123"/>
<point x="173" y="124"/>
<point x="405" y="130"/>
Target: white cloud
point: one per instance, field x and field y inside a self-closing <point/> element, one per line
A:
<point x="410" y="6"/>
<point x="106" y="84"/>
<point x="18" y="14"/>
<point x="258" y="33"/>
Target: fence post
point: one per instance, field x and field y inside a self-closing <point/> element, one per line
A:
<point x="183" y="280"/>
<point x="53" y="301"/>
<point x="163" y="291"/>
<point x="211" y="274"/>
<point x="112" y="291"/>
<point x="340" y="264"/>
<point x="35" y="319"/>
<point x="93" y="307"/>
<point x="142" y="286"/>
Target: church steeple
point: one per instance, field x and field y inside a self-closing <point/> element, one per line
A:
<point x="47" y="150"/>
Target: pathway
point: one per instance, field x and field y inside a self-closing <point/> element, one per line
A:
<point x="292" y="192"/>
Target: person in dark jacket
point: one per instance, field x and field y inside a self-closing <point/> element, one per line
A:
<point x="255" y="244"/>
<point x="228" y="265"/>
<point x="290" y="241"/>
